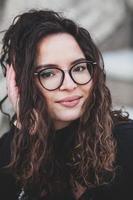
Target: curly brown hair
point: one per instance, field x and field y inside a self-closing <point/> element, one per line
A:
<point x="91" y="161"/>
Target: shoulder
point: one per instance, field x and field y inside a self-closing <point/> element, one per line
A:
<point x="5" y="147"/>
<point x="7" y="180"/>
<point x="123" y="133"/>
<point x="7" y="136"/>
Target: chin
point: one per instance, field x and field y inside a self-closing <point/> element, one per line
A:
<point x="65" y="119"/>
<point x="69" y="118"/>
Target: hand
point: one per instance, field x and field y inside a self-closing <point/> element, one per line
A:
<point x="12" y="89"/>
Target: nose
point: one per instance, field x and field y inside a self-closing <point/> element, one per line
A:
<point x="68" y="83"/>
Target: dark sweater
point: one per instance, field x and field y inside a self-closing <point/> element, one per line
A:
<point x="120" y="189"/>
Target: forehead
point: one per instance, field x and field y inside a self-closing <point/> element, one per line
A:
<point x="60" y="49"/>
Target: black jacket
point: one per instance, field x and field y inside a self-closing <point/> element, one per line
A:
<point x="120" y="189"/>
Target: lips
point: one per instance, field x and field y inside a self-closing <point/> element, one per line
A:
<point x="69" y="101"/>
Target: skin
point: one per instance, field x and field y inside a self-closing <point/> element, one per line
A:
<point x="59" y="49"/>
<point x="62" y="49"/>
<point x="12" y="89"/>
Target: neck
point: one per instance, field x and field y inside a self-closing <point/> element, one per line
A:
<point x="59" y="125"/>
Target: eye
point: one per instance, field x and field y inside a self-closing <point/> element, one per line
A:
<point x="47" y="73"/>
<point x="80" y="68"/>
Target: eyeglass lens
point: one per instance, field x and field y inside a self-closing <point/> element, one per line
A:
<point x="52" y="78"/>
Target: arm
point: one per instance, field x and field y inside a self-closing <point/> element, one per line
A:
<point x="124" y="137"/>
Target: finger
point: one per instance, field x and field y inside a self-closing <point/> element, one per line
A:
<point x="7" y="72"/>
<point x="10" y="73"/>
<point x="10" y="78"/>
<point x="12" y="89"/>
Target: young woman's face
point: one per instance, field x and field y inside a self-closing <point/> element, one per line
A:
<point x="65" y="103"/>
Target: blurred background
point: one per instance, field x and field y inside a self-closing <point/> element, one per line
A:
<point x="110" y="23"/>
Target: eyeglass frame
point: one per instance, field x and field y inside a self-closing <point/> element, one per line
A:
<point x="63" y="74"/>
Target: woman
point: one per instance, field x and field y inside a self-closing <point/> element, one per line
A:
<point x="65" y="142"/>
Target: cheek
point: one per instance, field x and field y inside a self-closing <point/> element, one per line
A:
<point x="45" y="93"/>
<point x="87" y="89"/>
<point x="49" y="97"/>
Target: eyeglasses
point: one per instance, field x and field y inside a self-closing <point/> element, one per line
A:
<point x="51" y="78"/>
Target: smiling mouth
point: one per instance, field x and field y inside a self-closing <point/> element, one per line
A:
<point x="72" y="102"/>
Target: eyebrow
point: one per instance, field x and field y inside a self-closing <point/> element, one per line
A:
<point x="54" y="65"/>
